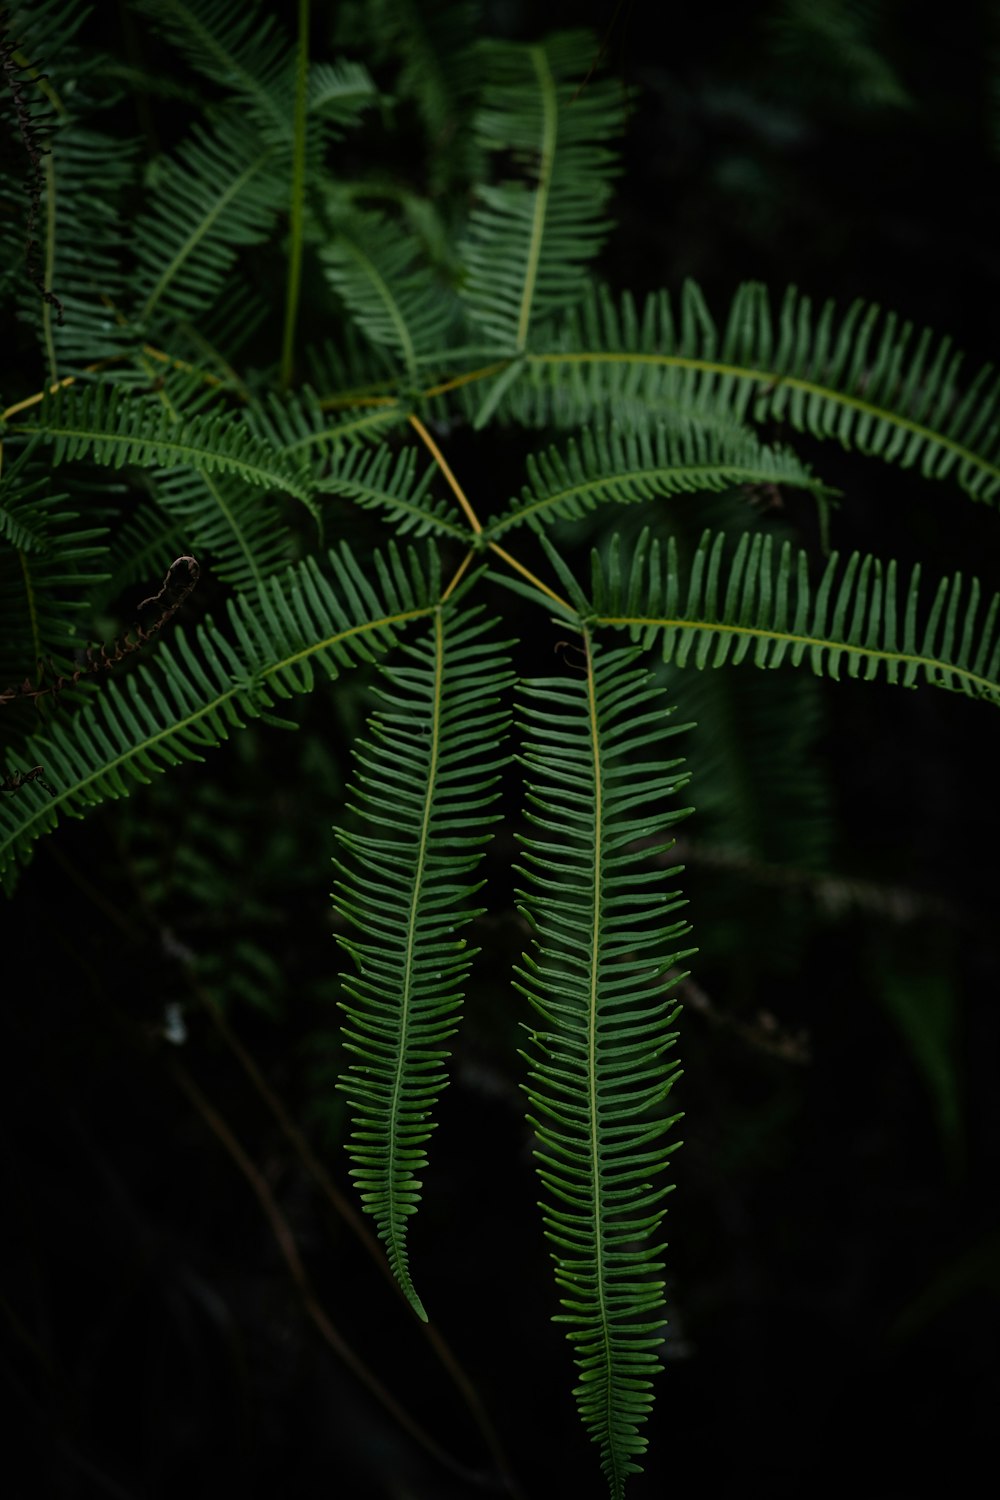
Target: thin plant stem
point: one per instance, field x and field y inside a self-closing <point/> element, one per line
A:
<point x="298" y="197"/>
<point x="442" y="464"/>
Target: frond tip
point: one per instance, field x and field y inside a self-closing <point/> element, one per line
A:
<point x="425" y="782"/>
<point x="606" y="957"/>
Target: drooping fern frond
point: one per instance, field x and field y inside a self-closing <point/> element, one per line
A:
<point x="858" y="621"/>
<point x="601" y="791"/>
<point x="645" y="462"/>
<point x="862" y="377"/>
<point x="193" y="693"/>
<point x="532" y="238"/>
<point x="425" y="783"/>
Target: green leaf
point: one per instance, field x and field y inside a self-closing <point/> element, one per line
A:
<point x="424" y="784"/>
<point x="761" y="608"/>
<point x="532" y="238"/>
<point x="864" y="378"/>
<point x="603" y="797"/>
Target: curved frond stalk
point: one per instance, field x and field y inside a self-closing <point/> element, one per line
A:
<point x="601" y="787"/>
<point x="531" y="241"/>
<point x="645" y="462"/>
<point x="192" y="694"/>
<point x="141" y="548"/>
<point x="863" y="378"/>
<point x="381" y="273"/>
<point x="424" y="785"/>
<point x="110" y="427"/>
<point x="758" y="607"/>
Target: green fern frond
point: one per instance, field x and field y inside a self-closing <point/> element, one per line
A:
<point x="49" y="563"/>
<point x="194" y="693"/>
<point x="45" y="28"/>
<point x="351" y="369"/>
<point x="380" y="272"/>
<point x="219" y="193"/>
<point x="113" y="428"/>
<point x="863" y="378"/>
<point x="857" y="621"/>
<point x="645" y="462"/>
<point x="601" y="788"/>
<point x="239" y="47"/>
<point x="141" y="548"/>
<point x="298" y="424"/>
<point x="425" y="781"/>
<point x="378" y="479"/>
<point x="339" y="91"/>
<point x="531" y="241"/>
<point x="432" y="44"/>
<point x="239" y="530"/>
<point x="88" y="175"/>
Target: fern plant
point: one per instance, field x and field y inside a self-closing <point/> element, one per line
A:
<point x="269" y="376"/>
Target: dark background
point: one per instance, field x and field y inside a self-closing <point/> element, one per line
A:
<point x="834" y="1259"/>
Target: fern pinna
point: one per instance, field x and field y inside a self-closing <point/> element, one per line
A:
<point x="346" y="530"/>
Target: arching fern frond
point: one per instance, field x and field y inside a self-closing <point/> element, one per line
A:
<point x="193" y="693"/>
<point x="862" y="377"/>
<point x="108" y="426"/>
<point x="239" y="48"/>
<point x="425" y="782"/>
<point x="380" y="271"/>
<point x="858" y="621"/>
<point x="239" y="529"/>
<point x="531" y="239"/>
<point x="645" y="462"/>
<point x="601" y="789"/>
<point x="378" y="479"/>
<point x="219" y="193"/>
